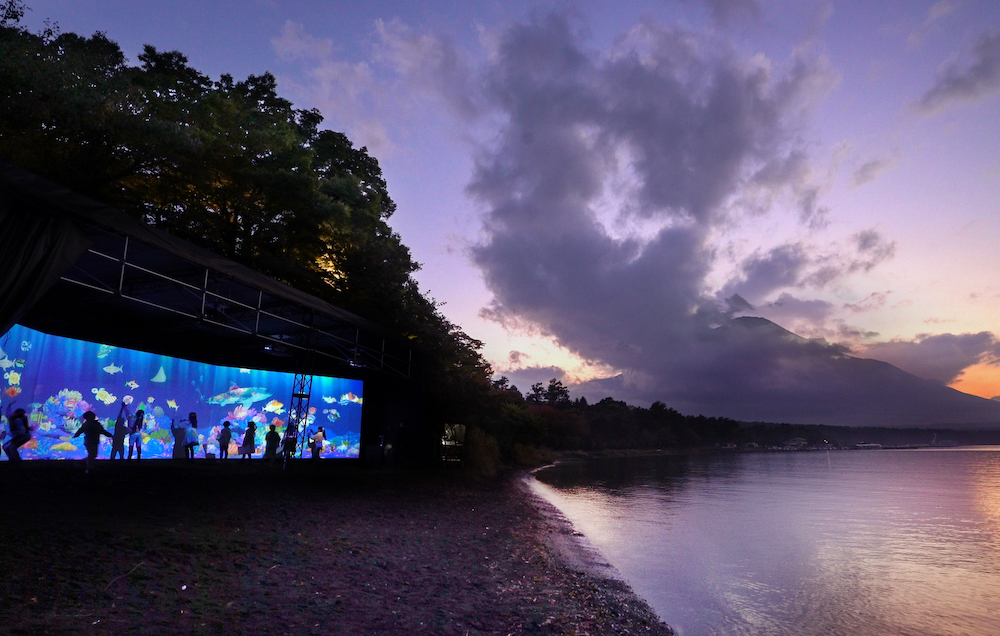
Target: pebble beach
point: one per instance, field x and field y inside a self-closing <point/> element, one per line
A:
<point x="209" y="547"/>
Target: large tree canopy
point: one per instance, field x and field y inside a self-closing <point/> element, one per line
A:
<point x="228" y="165"/>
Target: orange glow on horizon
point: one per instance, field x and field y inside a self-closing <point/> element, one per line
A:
<point x="981" y="379"/>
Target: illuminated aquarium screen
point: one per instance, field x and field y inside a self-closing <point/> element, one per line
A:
<point x="56" y="380"/>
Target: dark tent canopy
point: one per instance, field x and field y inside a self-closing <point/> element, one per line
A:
<point x="77" y="268"/>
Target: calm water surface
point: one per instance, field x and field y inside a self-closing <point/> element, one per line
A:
<point x="841" y="542"/>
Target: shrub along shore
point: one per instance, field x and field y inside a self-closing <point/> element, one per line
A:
<point x="208" y="547"/>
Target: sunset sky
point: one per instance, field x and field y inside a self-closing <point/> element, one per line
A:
<point x="590" y="184"/>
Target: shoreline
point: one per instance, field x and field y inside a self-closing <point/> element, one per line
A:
<point x="210" y="547"/>
<point x="576" y="553"/>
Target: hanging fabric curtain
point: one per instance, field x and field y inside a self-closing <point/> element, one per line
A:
<point x="36" y="248"/>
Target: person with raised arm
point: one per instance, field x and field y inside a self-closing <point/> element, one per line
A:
<point x="91" y="429"/>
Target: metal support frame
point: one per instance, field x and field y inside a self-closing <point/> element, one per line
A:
<point x="298" y="408"/>
<point x="216" y="299"/>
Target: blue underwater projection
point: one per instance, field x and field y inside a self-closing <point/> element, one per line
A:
<point x="56" y="380"/>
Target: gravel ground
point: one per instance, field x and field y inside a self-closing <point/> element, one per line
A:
<point x="212" y="547"/>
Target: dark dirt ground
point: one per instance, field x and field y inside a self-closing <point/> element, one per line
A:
<point x="207" y="547"/>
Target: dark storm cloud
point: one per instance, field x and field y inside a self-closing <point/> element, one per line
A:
<point x="679" y="126"/>
<point x="980" y="78"/>
<point x="796" y="265"/>
<point x="788" y="309"/>
<point x="940" y="357"/>
<point x="763" y="274"/>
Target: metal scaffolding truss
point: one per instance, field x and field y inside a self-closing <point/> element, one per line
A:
<point x="298" y="408"/>
<point x="128" y="270"/>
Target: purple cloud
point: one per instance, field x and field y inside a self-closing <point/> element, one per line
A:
<point x="979" y="79"/>
<point x="940" y="357"/>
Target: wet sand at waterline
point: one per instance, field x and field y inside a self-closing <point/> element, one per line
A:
<point x="205" y="547"/>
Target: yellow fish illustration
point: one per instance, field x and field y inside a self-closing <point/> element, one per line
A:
<point x="172" y="404"/>
<point x="103" y="395"/>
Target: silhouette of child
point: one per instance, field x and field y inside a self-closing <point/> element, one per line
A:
<point x="135" y="434"/>
<point x="249" y="441"/>
<point x="225" y="435"/>
<point x="20" y="432"/>
<point x="271" y="442"/>
<point x="316" y="443"/>
<point x="180" y="436"/>
<point x="91" y="430"/>
<point x="289" y="442"/>
<point x="191" y="436"/>
<point x="121" y="429"/>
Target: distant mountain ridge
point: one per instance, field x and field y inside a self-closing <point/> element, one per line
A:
<point x="770" y="374"/>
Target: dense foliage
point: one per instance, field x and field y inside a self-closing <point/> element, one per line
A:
<point x="231" y="166"/>
<point x="547" y="417"/>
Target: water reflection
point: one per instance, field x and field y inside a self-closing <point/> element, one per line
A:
<point x="798" y="543"/>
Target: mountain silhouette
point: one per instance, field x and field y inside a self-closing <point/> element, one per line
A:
<point x="752" y="369"/>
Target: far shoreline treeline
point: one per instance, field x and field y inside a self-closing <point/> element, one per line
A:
<point x="545" y="421"/>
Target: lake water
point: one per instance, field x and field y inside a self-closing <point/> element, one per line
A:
<point x="863" y="543"/>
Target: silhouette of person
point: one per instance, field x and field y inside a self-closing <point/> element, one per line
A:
<point x="225" y="435"/>
<point x="180" y="435"/>
<point x="191" y="436"/>
<point x="135" y="434"/>
<point x="316" y="443"/>
<point x="91" y="429"/>
<point x="118" y="439"/>
<point x="249" y="441"/>
<point x="20" y="432"/>
<point x="271" y="442"/>
<point x="290" y="441"/>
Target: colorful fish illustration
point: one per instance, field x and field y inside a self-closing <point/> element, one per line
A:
<point x="132" y="384"/>
<point x="127" y="399"/>
<point x="105" y="350"/>
<point x="332" y="414"/>
<point x="112" y="369"/>
<point x="243" y="395"/>
<point x="103" y="395"/>
<point x="161" y="376"/>
<point x="274" y="406"/>
<point x="25" y="345"/>
<point x="172" y="404"/>
<point x="349" y="397"/>
<point x="329" y="399"/>
<point x="244" y="370"/>
<point x="149" y="400"/>
<point x="6" y="363"/>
